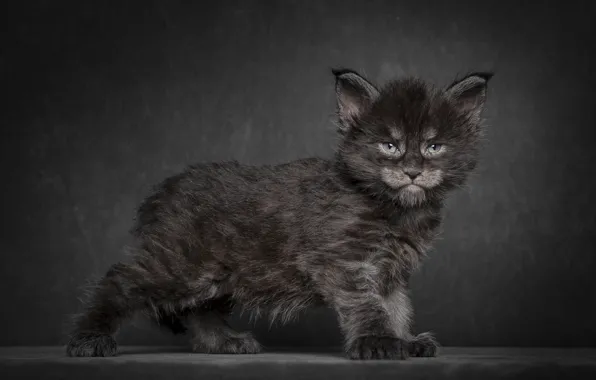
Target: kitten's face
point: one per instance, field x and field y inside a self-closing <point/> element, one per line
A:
<point x="409" y="142"/>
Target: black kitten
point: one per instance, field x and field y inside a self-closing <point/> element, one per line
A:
<point x="346" y="232"/>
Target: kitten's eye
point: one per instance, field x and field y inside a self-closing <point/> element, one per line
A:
<point x="389" y="148"/>
<point x="434" y="148"/>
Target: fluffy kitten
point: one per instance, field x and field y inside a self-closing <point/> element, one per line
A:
<point x="346" y="232"/>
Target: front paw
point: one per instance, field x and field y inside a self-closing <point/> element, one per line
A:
<point x="91" y="344"/>
<point x="241" y="343"/>
<point x="424" y="345"/>
<point x="378" y="347"/>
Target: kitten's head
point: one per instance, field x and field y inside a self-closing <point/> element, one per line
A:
<point x="409" y="141"/>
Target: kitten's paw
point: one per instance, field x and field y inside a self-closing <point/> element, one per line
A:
<point x="91" y="344"/>
<point x="424" y="345"/>
<point x="378" y="347"/>
<point x="220" y="344"/>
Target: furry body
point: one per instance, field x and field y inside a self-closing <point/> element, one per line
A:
<point x="345" y="232"/>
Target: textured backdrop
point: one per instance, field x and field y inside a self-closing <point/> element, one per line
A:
<point x="103" y="99"/>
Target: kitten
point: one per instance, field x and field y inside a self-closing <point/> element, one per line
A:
<point x="346" y="232"/>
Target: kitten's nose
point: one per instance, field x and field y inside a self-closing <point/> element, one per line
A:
<point x="412" y="173"/>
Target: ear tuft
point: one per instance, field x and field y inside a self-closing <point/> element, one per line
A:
<point x="339" y="71"/>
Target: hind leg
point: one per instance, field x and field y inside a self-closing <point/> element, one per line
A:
<point x="212" y="334"/>
<point x="112" y="301"/>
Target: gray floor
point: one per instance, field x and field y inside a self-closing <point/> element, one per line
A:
<point x="174" y="362"/>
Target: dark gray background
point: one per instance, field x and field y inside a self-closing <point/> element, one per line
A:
<point x="103" y="99"/>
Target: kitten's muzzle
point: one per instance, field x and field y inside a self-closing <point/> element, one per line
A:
<point x="400" y="178"/>
<point x="397" y="179"/>
<point x="412" y="173"/>
<point x="428" y="179"/>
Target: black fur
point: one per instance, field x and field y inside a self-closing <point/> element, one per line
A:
<point x="171" y="322"/>
<point x="346" y="232"/>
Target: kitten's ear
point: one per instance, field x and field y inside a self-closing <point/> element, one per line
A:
<point x="469" y="93"/>
<point x="354" y="95"/>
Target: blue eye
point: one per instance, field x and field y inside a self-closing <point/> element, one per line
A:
<point x="389" y="148"/>
<point x="434" y="148"/>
